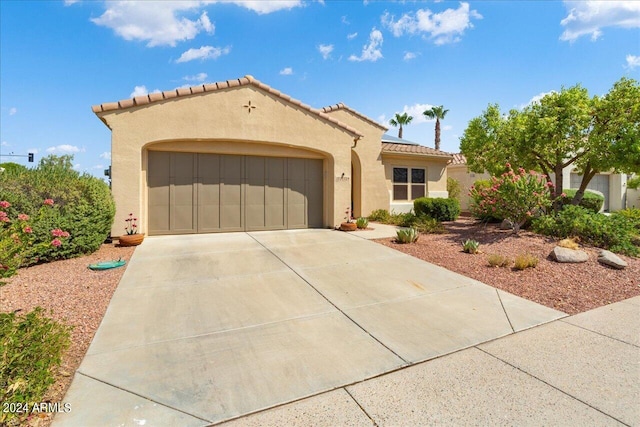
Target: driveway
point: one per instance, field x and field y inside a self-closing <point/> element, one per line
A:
<point x="207" y="328"/>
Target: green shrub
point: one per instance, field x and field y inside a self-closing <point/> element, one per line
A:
<point x="470" y="246"/>
<point x="407" y="235"/>
<point x="632" y="215"/>
<point x="83" y="207"/>
<point x="424" y="224"/>
<point x="496" y="260"/>
<point x="380" y="215"/>
<point x="437" y="208"/>
<point x="590" y="200"/>
<point x="634" y="183"/>
<point x="362" y="222"/>
<point x="453" y="188"/>
<point x="615" y="232"/>
<point x="525" y="261"/>
<point x="31" y="348"/>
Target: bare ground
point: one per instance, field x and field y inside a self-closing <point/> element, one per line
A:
<point x="570" y="288"/>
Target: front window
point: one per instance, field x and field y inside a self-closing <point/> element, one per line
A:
<point x="409" y="183"/>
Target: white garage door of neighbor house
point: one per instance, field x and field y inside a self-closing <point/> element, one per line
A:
<point x="598" y="183"/>
<point x="207" y="193"/>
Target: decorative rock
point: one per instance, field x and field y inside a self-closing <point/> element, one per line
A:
<point x="506" y="225"/>
<point x="561" y="254"/>
<point x="611" y="259"/>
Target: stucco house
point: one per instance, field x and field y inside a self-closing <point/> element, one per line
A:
<point x="239" y="155"/>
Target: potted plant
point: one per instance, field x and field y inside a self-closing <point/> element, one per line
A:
<point x="132" y="238"/>
<point x="348" y="225"/>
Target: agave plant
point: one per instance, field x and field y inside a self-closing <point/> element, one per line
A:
<point x="470" y="246"/>
<point x="362" y="222"/>
<point x="407" y="235"/>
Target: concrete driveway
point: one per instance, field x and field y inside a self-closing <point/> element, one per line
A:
<point x="207" y="328"/>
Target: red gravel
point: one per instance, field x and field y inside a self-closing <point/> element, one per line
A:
<point x="75" y="296"/>
<point x="571" y="288"/>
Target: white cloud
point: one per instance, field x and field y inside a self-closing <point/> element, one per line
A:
<point x="416" y="111"/>
<point x="352" y="36"/>
<point x="98" y="167"/>
<point x="632" y="62"/>
<point x="382" y="118"/>
<point x="12" y="111"/>
<point x="344" y="20"/>
<point x="408" y="56"/>
<point x="588" y="18"/>
<point x="444" y="27"/>
<point x="446" y="127"/>
<point x="70" y="2"/>
<point x="77" y="166"/>
<point x="371" y="51"/>
<point x="262" y="7"/>
<point x="536" y="98"/>
<point x="141" y="90"/>
<point x="106" y="155"/>
<point x="200" y="77"/>
<point x="202" y="53"/>
<point x="325" y="50"/>
<point x="65" y="148"/>
<point x="287" y="71"/>
<point x="4" y="144"/>
<point x="157" y="23"/>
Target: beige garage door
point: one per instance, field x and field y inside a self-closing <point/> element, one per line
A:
<point x="207" y="193"/>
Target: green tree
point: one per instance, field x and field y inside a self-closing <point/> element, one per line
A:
<point x="562" y="129"/>
<point x="399" y="121"/>
<point x="437" y="113"/>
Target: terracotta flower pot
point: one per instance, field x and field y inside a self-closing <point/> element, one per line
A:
<point x="348" y="226"/>
<point x="131" y="239"/>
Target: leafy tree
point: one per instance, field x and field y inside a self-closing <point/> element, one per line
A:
<point x="437" y="113"/>
<point x="562" y="129"/>
<point x="400" y="120"/>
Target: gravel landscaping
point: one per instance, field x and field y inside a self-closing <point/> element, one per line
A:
<point x="75" y="296"/>
<point x="79" y="297"/>
<point x="570" y="288"/>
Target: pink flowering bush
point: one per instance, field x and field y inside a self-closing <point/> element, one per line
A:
<point x="514" y="196"/>
<point x="17" y="240"/>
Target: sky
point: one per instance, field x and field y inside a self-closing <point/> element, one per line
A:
<point x="58" y="58"/>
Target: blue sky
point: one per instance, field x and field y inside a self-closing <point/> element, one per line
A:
<point x="58" y="58"/>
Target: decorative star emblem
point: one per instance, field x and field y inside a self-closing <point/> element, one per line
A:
<point x="249" y="107"/>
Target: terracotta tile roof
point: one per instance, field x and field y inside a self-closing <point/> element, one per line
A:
<point x="458" y="159"/>
<point x="410" y="149"/>
<point x="341" y="106"/>
<point x="212" y="87"/>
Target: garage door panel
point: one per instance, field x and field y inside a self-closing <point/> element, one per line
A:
<point x="208" y="184"/>
<point x="193" y="192"/>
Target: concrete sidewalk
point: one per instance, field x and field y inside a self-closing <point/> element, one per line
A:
<point x="207" y="328"/>
<point x="582" y="370"/>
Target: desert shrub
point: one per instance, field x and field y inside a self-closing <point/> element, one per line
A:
<point x="438" y="208"/>
<point x="84" y="207"/>
<point x="590" y="200"/>
<point x="632" y="215"/>
<point x="615" y="232"/>
<point x="496" y="260"/>
<point x="407" y="235"/>
<point x="516" y="197"/>
<point x="380" y="215"/>
<point x="524" y="261"/>
<point x="453" y="188"/>
<point x="478" y="207"/>
<point x="470" y="246"/>
<point x="31" y="349"/>
<point x="403" y="219"/>
<point x="362" y="222"/>
<point x="425" y="224"/>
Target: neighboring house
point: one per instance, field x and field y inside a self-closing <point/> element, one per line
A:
<point x="612" y="186"/>
<point x="457" y="169"/>
<point x="239" y="155"/>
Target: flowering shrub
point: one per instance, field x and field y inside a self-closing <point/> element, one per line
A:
<point x="17" y="240"/>
<point x="513" y="196"/>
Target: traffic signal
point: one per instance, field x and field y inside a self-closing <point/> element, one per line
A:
<point x="30" y="157"/>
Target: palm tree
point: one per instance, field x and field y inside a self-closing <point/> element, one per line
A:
<point x="437" y="113"/>
<point x="400" y="120"/>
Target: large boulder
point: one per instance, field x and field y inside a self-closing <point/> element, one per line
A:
<point x="611" y="259"/>
<point x="561" y="254"/>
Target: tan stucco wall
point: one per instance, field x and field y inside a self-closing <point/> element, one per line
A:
<point x="218" y="122"/>
<point x="368" y="181"/>
<point x="466" y="180"/>
<point x="436" y="176"/>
